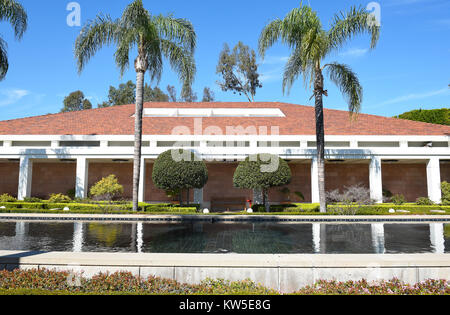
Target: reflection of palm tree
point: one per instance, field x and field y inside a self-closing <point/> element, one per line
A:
<point x="106" y="234"/>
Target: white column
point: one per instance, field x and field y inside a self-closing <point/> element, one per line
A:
<point x="25" y="178"/>
<point x="378" y="238"/>
<point x="315" y="197"/>
<point x="81" y="187"/>
<point x="77" y="237"/>
<point x="198" y="197"/>
<point x="437" y="237"/>
<point x="316" y="237"/>
<point x="434" y="180"/>
<point x="141" y="196"/>
<point x="376" y="180"/>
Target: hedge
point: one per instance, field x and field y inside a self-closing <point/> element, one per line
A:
<point x="97" y="208"/>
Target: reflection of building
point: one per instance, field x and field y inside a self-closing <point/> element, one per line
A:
<point x="55" y="153"/>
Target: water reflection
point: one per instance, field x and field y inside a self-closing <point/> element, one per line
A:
<point x="256" y="238"/>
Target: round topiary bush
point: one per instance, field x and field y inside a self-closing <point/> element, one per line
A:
<point x="263" y="172"/>
<point x="179" y="170"/>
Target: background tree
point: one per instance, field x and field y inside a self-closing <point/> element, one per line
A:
<point x="208" y="95"/>
<point x="14" y="13"/>
<point x="433" y="116"/>
<point x="186" y="174"/>
<point x="154" y="37"/>
<point x="302" y="31"/>
<point x="188" y="95"/>
<point x="76" y="102"/>
<point x="251" y="175"/>
<point x="239" y="71"/>
<point x="172" y="93"/>
<point x="154" y="95"/>
<point x="125" y="94"/>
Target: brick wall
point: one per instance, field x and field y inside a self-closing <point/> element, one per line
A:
<point x="9" y="178"/>
<point x="339" y="176"/>
<point x="52" y="178"/>
<point x="445" y="172"/>
<point x="124" y="173"/>
<point x="409" y="180"/>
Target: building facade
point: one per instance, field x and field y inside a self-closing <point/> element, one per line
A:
<point x="71" y="151"/>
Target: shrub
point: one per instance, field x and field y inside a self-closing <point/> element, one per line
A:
<point x="71" y="193"/>
<point x="262" y="172"/>
<point x="59" y="198"/>
<point x="433" y="116"/>
<point x="351" y="200"/>
<point x="187" y="172"/>
<point x="445" y="193"/>
<point x="398" y="199"/>
<point x="423" y="201"/>
<point x="7" y="198"/>
<point x="107" y="189"/>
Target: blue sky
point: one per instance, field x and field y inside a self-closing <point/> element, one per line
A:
<point x="408" y="70"/>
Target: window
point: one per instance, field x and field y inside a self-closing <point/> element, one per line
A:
<point x="31" y="144"/>
<point x="79" y="144"/>
<point x="213" y="112"/>
<point x="379" y="144"/>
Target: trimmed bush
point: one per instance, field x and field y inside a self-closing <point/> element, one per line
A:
<point x="177" y="170"/>
<point x="7" y="198"/>
<point x="32" y="200"/>
<point x="423" y="201"/>
<point x="59" y="198"/>
<point x="263" y="172"/>
<point x="398" y="199"/>
<point x="107" y="189"/>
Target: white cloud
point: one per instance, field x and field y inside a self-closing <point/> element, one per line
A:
<point x="12" y="96"/>
<point x="413" y="96"/>
<point x="354" y="52"/>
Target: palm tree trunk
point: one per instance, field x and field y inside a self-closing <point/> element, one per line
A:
<point x="320" y="133"/>
<point x="138" y="137"/>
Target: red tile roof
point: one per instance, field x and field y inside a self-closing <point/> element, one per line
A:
<point x="299" y="120"/>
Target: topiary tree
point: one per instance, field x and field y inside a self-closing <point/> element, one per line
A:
<point x="263" y="172"/>
<point x="107" y="189"/>
<point x="178" y="170"/>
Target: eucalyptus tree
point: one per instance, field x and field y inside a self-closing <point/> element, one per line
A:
<point x="302" y="31"/>
<point x="14" y="13"/>
<point x="154" y="37"/>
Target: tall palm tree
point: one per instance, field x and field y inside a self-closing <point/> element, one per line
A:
<point x="154" y="37"/>
<point x="14" y="13"/>
<point x="302" y="31"/>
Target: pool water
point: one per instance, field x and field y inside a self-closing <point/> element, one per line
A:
<point x="242" y="238"/>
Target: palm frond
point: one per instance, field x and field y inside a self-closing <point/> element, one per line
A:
<point x="181" y="61"/>
<point x="269" y="36"/>
<point x="179" y="31"/>
<point x="4" y="64"/>
<point x="155" y="59"/>
<point x="355" y="22"/>
<point x="14" y="13"/>
<point x="93" y="36"/>
<point x="294" y="67"/>
<point x="348" y="83"/>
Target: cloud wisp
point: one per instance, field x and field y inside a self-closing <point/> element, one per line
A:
<point x="416" y="96"/>
<point x="12" y="96"/>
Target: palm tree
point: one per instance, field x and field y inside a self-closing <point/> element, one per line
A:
<point x="14" y="13"/>
<point x="302" y="31"/>
<point x="154" y="37"/>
